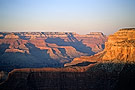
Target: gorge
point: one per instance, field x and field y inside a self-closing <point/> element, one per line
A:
<point x="111" y="69"/>
<point x="46" y="49"/>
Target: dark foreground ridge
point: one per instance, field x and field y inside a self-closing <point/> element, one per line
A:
<point x="101" y="76"/>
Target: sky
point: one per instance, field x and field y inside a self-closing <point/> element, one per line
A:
<point x="80" y="16"/>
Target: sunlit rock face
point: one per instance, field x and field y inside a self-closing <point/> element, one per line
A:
<point x="46" y="49"/>
<point x="94" y="40"/>
<point x="121" y="45"/>
<point x="11" y="36"/>
<point x="15" y="43"/>
<point x="54" y="41"/>
<point x="84" y="73"/>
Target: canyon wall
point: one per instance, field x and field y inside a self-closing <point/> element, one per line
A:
<point x="46" y="49"/>
<point x="96" y="72"/>
<point x="119" y="47"/>
<point x="68" y="78"/>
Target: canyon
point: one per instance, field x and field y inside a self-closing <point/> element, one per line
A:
<point x="46" y="49"/>
<point x="119" y="47"/>
<point x="111" y="69"/>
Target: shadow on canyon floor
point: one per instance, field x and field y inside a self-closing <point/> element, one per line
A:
<point x="78" y="45"/>
<point x="84" y="64"/>
<point x="36" y="59"/>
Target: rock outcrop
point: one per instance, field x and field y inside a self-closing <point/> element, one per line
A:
<point x="94" y="40"/>
<point x="11" y="36"/>
<point x="15" y="44"/>
<point x="119" y="47"/>
<point x="104" y="76"/>
<point x="46" y="49"/>
<point x="97" y="72"/>
<point x="69" y="78"/>
<point x="18" y="40"/>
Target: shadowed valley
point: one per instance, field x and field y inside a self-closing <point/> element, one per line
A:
<point x="45" y="49"/>
<point x="111" y="69"/>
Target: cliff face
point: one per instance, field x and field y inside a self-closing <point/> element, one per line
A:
<point x="121" y="46"/>
<point x="99" y="76"/>
<point x="92" y="43"/>
<point x="69" y="78"/>
<point x="46" y="49"/>
<point x="97" y="72"/>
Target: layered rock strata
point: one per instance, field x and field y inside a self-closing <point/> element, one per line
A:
<point x="98" y="72"/>
<point x="59" y="45"/>
<point x="119" y="47"/>
<point x="46" y="49"/>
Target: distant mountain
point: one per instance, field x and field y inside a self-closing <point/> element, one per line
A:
<point x="46" y="49"/>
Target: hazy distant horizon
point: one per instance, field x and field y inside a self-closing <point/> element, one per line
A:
<point x="80" y="16"/>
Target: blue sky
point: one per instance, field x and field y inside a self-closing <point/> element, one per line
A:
<point x="81" y="16"/>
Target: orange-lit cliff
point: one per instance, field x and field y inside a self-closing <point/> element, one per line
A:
<point x="111" y="69"/>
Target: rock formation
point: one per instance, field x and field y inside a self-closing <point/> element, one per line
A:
<point x="119" y="47"/>
<point x="97" y="72"/>
<point x="46" y="49"/>
<point x="11" y="36"/>
<point x="69" y="78"/>
<point x="93" y="41"/>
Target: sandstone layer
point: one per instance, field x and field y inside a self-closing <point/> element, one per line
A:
<point x="46" y="49"/>
<point x="119" y="47"/>
<point x="49" y="40"/>
<point x="97" y="72"/>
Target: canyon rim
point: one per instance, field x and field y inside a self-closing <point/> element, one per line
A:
<point x="111" y="69"/>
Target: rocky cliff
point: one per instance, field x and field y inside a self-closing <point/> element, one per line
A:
<point x="119" y="47"/>
<point x="46" y="49"/>
<point x="85" y="76"/>
<point x="45" y="40"/>
<point x="97" y="72"/>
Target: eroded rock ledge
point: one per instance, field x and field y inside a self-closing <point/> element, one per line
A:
<point x="119" y="47"/>
<point x="114" y="69"/>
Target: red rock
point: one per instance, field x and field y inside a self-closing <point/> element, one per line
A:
<point x="120" y="47"/>
<point x="12" y="36"/>
<point x="99" y="76"/>
<point x="18" y="43"/>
